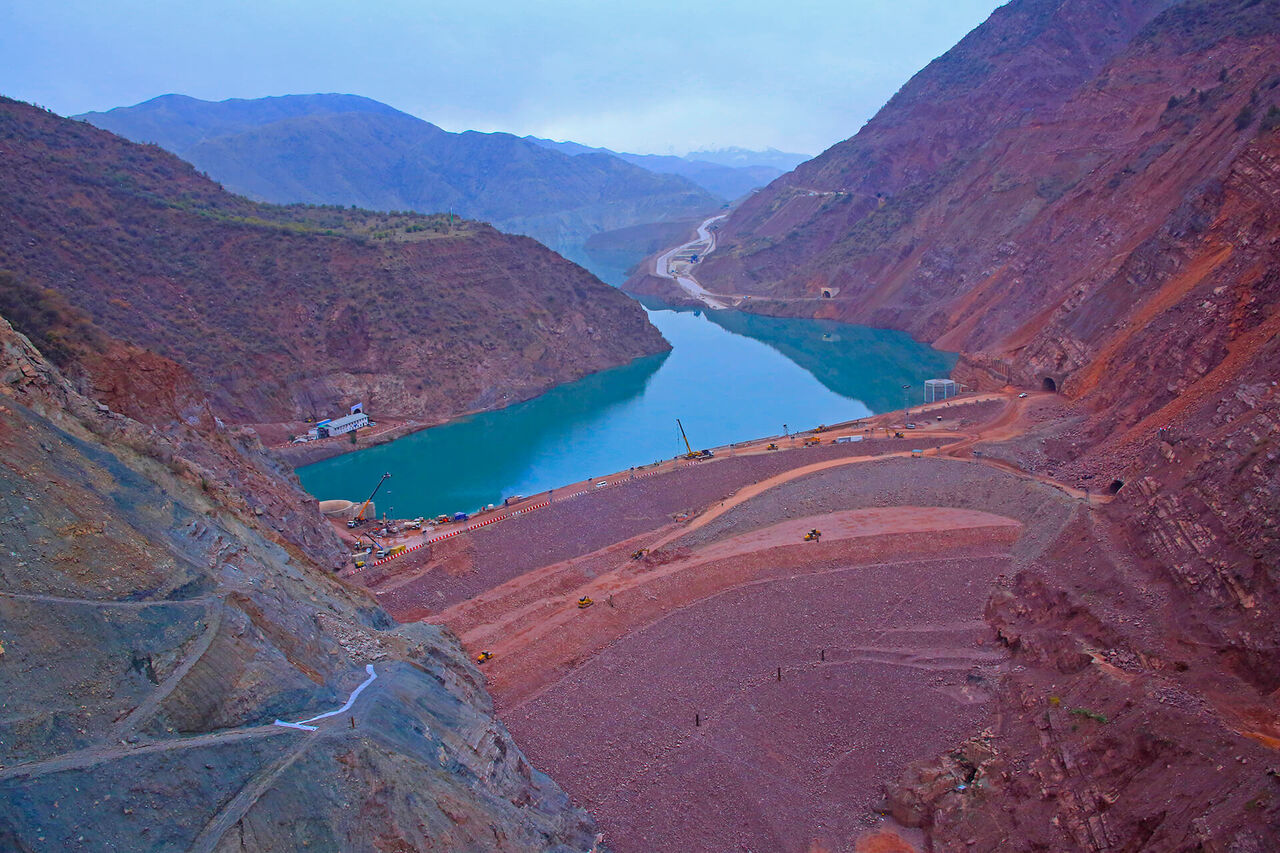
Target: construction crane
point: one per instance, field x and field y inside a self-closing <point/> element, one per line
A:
<point x="360" y="519"/>
<point x="690" y="452"/>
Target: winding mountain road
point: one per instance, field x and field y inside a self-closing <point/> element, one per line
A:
<point x="664" y="266"/>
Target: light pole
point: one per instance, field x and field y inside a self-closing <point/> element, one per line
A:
<point x="906" y="403"/>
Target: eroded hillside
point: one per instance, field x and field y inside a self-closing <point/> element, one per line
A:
<point x="164" y="599"/>
<point x="285" y="313"/>
<point x="1085" y="198"/>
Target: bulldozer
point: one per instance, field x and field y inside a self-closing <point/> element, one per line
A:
<point x="483" y="656"/>
<point x="813" y="535"/>
<point x="585" y="602"/>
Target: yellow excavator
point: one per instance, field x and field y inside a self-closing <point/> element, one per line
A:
<point x="690" y="453"/>
<point x="772" y="446"/>
<point x="483" y="656"/>
<point x="585" y="602"/>
<point x="813" y="535"/>
<point x="639" y="555"/>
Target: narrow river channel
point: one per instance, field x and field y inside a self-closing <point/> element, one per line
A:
<point x="730" y="377"/>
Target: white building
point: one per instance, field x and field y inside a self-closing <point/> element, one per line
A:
<point x="343" y="425"/>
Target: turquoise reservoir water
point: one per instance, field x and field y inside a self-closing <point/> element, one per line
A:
<point x="729" y="377"/>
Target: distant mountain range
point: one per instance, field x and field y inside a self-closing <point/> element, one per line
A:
<point x="348" y="150"/>
<point x="729" y="172"/>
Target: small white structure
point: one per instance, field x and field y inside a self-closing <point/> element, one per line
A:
<point x="939" y="389"/>
<point x="343" y="425"/>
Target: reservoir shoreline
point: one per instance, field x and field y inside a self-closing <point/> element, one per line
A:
<point x="713" y="379"/>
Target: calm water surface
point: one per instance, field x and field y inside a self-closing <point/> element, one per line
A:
<point x="729" y="377"/>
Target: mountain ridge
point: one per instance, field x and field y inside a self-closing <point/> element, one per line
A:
<point x="349" y="150"/>
<point x="729" y="172"/>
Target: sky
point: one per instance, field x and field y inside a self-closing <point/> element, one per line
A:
<point x="647" y="77"/>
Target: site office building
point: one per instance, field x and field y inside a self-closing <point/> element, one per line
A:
<point x="340" y="426"/>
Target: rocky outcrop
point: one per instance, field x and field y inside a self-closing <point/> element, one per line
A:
<point x="281" y="314"/>
<point x="163" y="601"/>
<point x="1054" y="185"/>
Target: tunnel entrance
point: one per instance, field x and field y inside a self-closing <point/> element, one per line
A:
<point x="1050" y="386"/>
<point x="1116" y="486"/>
<point x="826" y="294"/>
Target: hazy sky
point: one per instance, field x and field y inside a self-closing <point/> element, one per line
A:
<point x="655" y="76"/>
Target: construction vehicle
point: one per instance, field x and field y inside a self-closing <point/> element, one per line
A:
<point x="483" y="656"/>
<point x="360" y="519"/>
<point x="772" y="447"/>
<point x="898" y="435"/>
<point x="358" y="558"/>
<point x="585" y="602"/>
<point x="690" y="453"/>
<point x="813" y="535"/>
<point x="639" y="555"/>
<point x="378" y="550"/>
<point x="812" y="440"/>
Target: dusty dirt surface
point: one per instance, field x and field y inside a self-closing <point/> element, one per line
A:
<point x="537" y="636"/>
<point x="578" y="526"/>
<point x="683" y="729"/>
<point x="877" y="628"/>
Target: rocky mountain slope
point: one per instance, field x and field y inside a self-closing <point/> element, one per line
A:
<point x="284" y="313"/>
<point x="1085" y="197"/>
<point x="164" y="600"/>
<point x="347" y="150"/>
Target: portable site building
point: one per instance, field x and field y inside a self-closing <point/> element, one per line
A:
<point x="345" y="424"/>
